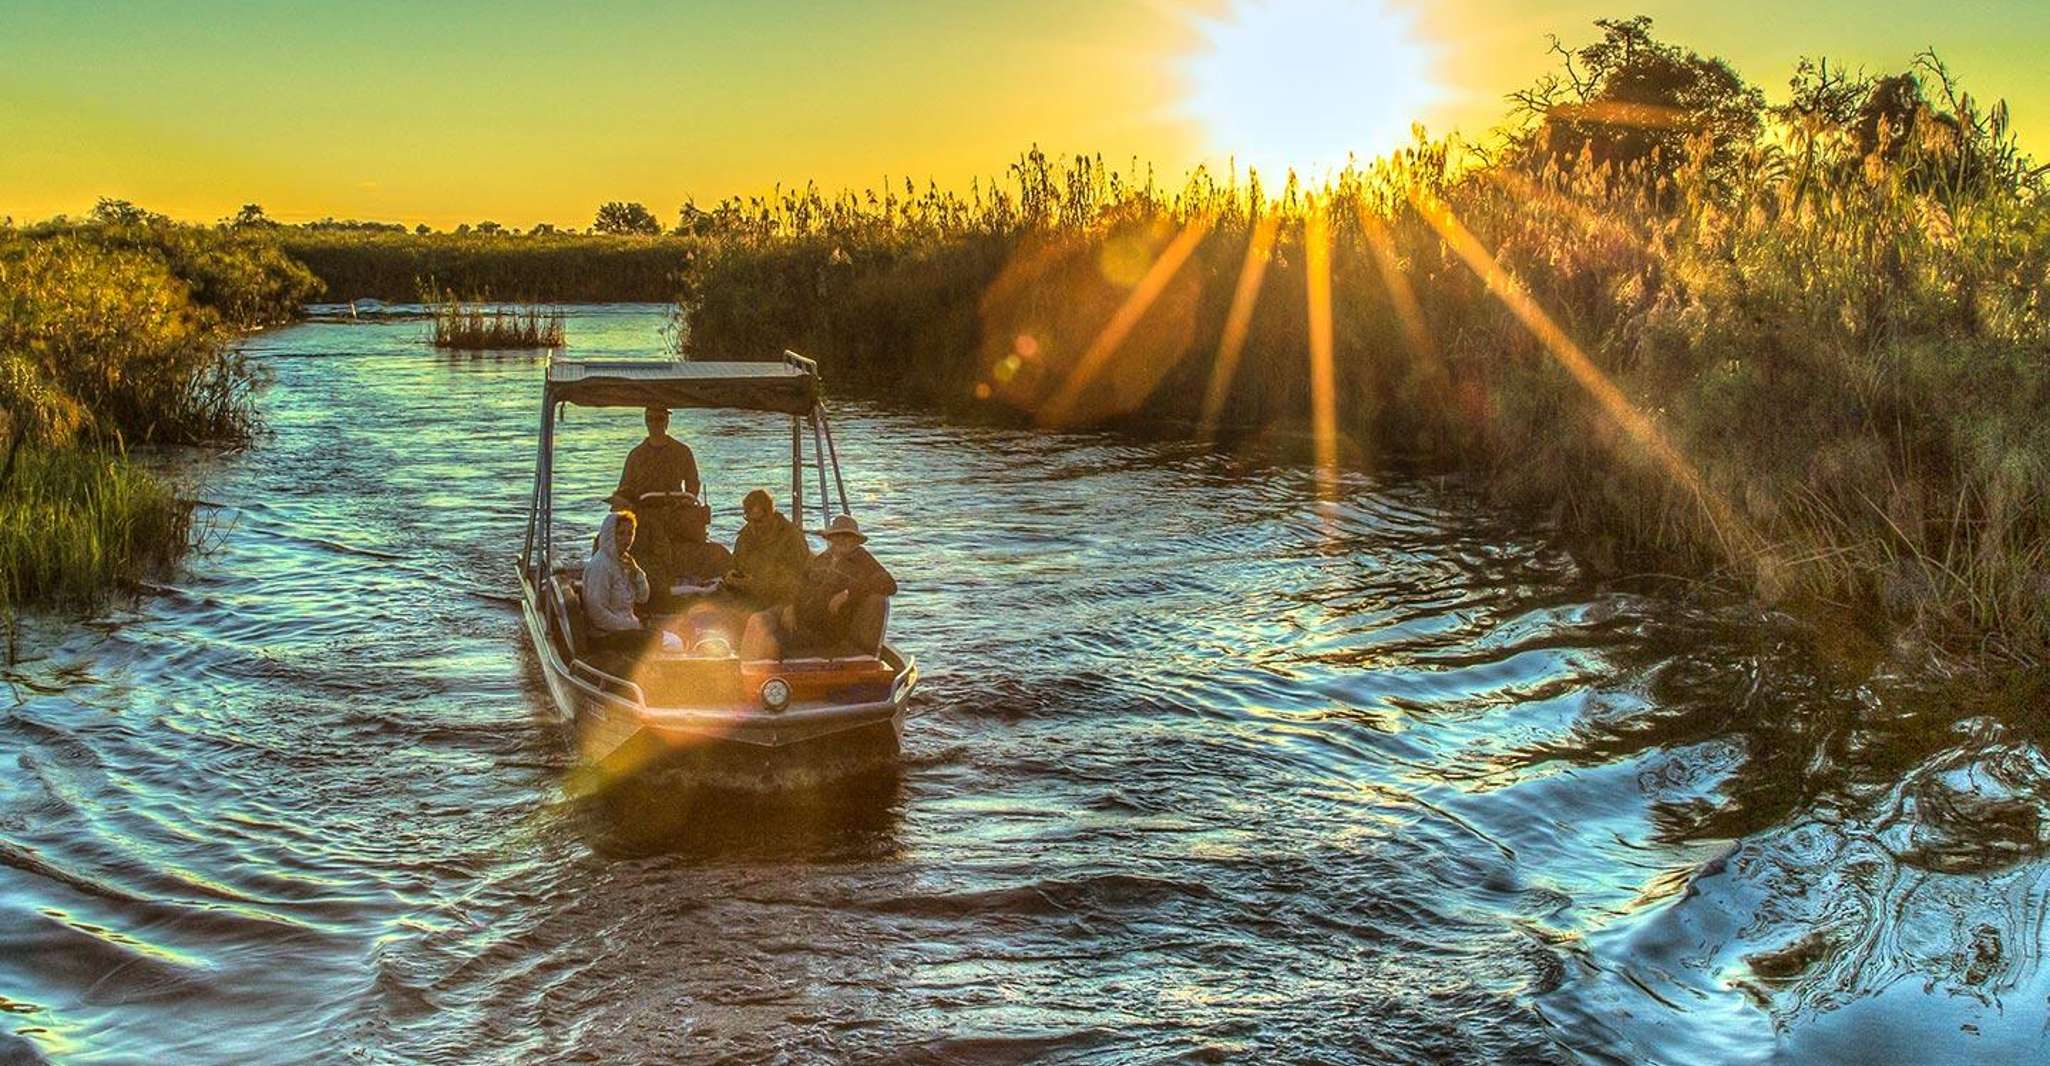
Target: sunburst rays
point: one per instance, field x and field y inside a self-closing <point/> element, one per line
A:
<point x="1730" y="529"/>
<point x="1237" y="323"/>
<point x="1061" y="408"/>
<point x="1323" y="363"/>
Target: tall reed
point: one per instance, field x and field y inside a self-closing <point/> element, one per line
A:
<point x="483" y="326"/>
<point x="74" y="521"/>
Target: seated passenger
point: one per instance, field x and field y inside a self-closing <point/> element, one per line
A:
<point x="693" y="559"/>
<point x="613" y="585"/>
<point x="832" y="592"/>
<point x="769" y="554"/>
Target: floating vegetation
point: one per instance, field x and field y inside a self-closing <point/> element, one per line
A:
<point x="483" y="326"/>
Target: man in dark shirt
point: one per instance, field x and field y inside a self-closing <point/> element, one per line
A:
<point x="659" y="464"/>
<point x="840" y="585"/>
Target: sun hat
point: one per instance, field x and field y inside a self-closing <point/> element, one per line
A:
<point x="844" y="525"/>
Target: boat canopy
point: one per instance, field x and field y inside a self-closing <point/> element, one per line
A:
<point x="790" y="385"/>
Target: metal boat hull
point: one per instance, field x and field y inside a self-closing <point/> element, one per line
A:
<point x="741" y="748"/>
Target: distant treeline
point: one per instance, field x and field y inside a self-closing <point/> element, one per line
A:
<point x="395" y="265"/>
<point x="117" y="331"/>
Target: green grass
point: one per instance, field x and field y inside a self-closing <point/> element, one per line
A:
<point x="74" y="522"/>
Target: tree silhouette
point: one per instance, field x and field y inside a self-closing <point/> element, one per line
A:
<point x="617" y="216"/>
<point x="1631" y="98"/>
<point x="251" y="216"/>
<point x="112" y="212"/>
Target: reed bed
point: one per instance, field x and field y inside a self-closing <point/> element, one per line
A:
<point x="554" y="268"/>
<point x="1811" y="361"/>
<point x="113" y="334"/>
<point x="481" y="326"/>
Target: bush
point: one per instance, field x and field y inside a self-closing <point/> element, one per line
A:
<point x="112" y="334"/>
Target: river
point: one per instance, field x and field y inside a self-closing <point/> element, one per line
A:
<point x="1200" y="771"/>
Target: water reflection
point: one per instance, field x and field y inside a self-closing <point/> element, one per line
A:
<point x="1200" y="773"/>
<point x="854" y="820"/>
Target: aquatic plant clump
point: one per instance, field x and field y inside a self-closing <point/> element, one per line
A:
<point x="74" y="522"/>
<point x="479" y="326"/>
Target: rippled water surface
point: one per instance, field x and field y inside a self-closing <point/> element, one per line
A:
<point x="1199" y="772"/>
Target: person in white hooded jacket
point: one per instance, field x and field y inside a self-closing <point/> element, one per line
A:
<point x="613" y="585"/>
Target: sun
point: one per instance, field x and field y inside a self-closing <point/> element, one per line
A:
<point x="1302" y="84"/>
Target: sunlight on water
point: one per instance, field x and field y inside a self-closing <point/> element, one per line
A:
<point x="1199" y="770"/>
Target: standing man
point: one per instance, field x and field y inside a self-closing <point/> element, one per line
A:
<point x="659" y="464"/>
<point x="662" y="464"/>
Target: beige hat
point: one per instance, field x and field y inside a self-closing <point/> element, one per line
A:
<point x="844" y="525"/>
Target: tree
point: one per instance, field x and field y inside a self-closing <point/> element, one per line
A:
<point x="251" y="217"/>
<point x="542" y="229"/>
<point x="111" y="212"/>
<point x="621" y="217"/>
<point x="422" y="229"/>
<point x="1630" y="98"/>
<point x="489" y="227"/>
<point x="692" y="220"/>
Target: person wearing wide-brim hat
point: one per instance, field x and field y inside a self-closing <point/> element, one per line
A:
<point x="845" y="530"/>
<point x="838" y="605"/>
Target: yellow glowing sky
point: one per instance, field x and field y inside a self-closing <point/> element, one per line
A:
<point x="523" y="112"/>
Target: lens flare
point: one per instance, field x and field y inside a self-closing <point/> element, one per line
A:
<point x="1061" y="408"/>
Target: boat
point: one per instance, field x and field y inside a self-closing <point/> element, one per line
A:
<point x="693" y="707"/>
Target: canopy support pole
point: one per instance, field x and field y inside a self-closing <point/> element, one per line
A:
<point x="543" y="528"/>
<point x="796" y="474"/>
<point x="527" y="560"/>
<point x="833" y="454"/>
<point x="818" y="454"/>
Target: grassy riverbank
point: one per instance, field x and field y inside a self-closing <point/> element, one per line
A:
<point x="1807" y="353"/>
<point x="116" y="332"/>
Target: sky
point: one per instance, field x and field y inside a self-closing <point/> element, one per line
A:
<point x="521" y="112"/>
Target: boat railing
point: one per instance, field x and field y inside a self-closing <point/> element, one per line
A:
<point x="601" y="680"/>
